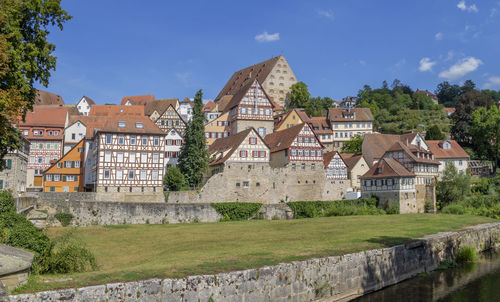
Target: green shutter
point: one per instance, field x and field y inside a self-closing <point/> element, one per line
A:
<point x="76" y="177"/>
<point x="9" y="164"/>
<point x="76" y="189"/>
<point x="72" y="164"/>
<point x="64" y="177"/>
<point x="1" y="184"/>
<point x="52" y="189"/>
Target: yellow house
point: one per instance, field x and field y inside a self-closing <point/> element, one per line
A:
<point x="290" y="119"/>
<point x="218" y="128"/>
<point x="356" y="167"/>
<point x="66" y="174"/>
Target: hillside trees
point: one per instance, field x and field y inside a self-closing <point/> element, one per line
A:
<point x="434" y="133"/>
<point x="353" y="145"/>
<point x="485" y="132"/>
<point x="25" y="59"/>
<point x="193" y="158"/>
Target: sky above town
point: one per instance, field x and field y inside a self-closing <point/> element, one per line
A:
<point x="112" y="49"/>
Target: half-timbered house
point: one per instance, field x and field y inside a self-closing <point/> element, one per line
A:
<point x="173" y="143"/>
<point x="169" y="119"/>
<point x="296" y="148"/>
<point x="44" y="129"/>
<point x="156" y="108"/>
<point x="75" y="132"/>
<point x="66" y="174"/>
<point x="129" y="155"/>
<point x="251" y="107"/>
<point x="334" y="165"/>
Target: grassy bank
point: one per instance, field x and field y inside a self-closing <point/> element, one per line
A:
<point x="132" y="252"/>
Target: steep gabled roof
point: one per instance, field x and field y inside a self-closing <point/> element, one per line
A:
<point x="376" y="144"/>
<point x="46" y="116"/>
<point x="456" y="151"/>
<point x="328" y="156"/>
<point x="47" y="98"/>
<point x="301" y="114"/>
<point x="110" y="124"/>
<point x="389" y="168"/>
<point x="399" y="146"/>
<point x="360" y="114"/>
<point x="186" y="100"/>
<point x="281" y="140"/>
<point x="350" y="159"/>
<point x="208" y="107"/>
<point x="227" y="145"/>
<point x="240" y="94"/>
<point x="160" y="106"/>
<point x="138" y="99"/>
<point x="110" y="110"/>
<point x="258" y="72"/>
<point x="89" y="100"/>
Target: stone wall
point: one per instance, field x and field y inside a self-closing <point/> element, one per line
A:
<point x="101" y="196"/>
<point x="15" y="265"/>
<point x="336" y="278"/>
<point x="109" y="213"/>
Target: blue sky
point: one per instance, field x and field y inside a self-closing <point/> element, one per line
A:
<point x="173" y="48"/>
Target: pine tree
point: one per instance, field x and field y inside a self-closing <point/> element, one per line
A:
<point x="193" y="158"/>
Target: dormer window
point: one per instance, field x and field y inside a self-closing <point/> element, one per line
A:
<point x="446" y="145"/>
<point x="139" y="125"/>
<point x="122" y="124"/>
<point x="379" y="170"/>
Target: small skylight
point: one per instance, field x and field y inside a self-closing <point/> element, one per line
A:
<point x="122" y="124"/>
<point x="139" y="125"/>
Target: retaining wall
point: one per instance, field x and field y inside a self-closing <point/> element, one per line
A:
<point x="338" y="278"/>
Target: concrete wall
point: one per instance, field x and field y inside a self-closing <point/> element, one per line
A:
<point x="336" y="278"/>
<point x="109" y="213"/>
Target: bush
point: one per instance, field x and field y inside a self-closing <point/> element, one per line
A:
<point x="72" y="257"/>
<point x="394" y="209"/>
<point x="64" y="218"/>
<point x="454" y="209"/>
<point x="310" y="209"/>
<point x="466" y="254"/>
<point x="236" y="210"/>
<point x="174" y="179"/>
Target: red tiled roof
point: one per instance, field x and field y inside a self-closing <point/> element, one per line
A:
<point x="208" y="106"/>
<point x="160" y="106"/>
<point x="339" y="114"/>
<point x="228" y="144"/>
<point x="320" y="122"/>
<point x="390" y="168"/>
<point x="110" y="124"/>
<point x="281" y="140"/>
<point x="110" y="110"/>
<point x="350" y="159"/>
<point x="47" y="98"/>
<point x="449" y="110"/>
<point x="138" y="99"/>
<point x="399" y="146"/>
<point x="258" y="72"/>
<point x="376" y="144"/>
<point x="48" y="116"/>
<point x="456" y="151"/>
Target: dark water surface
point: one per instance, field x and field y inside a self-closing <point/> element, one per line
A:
<point x="478" y="281"/>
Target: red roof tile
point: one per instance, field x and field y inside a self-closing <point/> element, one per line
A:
<point x="48" y="116"/>
<point x="456" y="151"/>
<point x="389" y="168"/>
<point x="47" y="98"/>
<point x="340" y="114"/>
<point x="138" y="99"/>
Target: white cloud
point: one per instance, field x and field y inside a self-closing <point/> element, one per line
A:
<point x="326" y="13"/>
<point x="426" y="64"/>
<point x="461" y="68"/>
<point x="493" y="82"/>
<point x="463" y="7"/>
<point x="266" y="37"/>
<point x="438" y="36"/>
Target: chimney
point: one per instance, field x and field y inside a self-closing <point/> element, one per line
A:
<point x="407" y="142"/>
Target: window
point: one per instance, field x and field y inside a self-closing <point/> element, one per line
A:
<point x="119" y="157"/>
<point x="48" y="177"/>
<point x="73" y="136"/>
<point x="243" y="110"/>
<point x="156" y="157"/>
<point x="303" y="166"/>
<point x="294" y="167"/>
<point x="108" y="139"/>
<point x="243" y="153"/>
<point x="52" y="189"/>
<point x="144" y="141"/>
<point x="107" y="156"/>
<point x="144" y="157"/>
<point x="156" y="141"/>
<point x="80" y="149"/>
<point x="131" y="158"/>
<point x="294" y="152"/>
<point x="253" y="140"/>
<point x="245" y="184"/>
<point x="460" y="162"/>
<point x="119" y="174"/>
<point x="313" y="167"/>
<point x="262" y="131"/>
<point x="143" y="174"/>
<point x="77" y="164"/>
<point x="131" y="174"/>
<point x="122" y="124"/>
<point x="106" y="174"/>
<point x="57" y="177"/>
<point x="40" y="160"/>
<point x="25" y="132"/>
<point x="132" y="139"/>
<point x="139" y="125"/>
<point x="154" y="174"/>
<point x="121" y="140"/>
<point x="268" y="111"/>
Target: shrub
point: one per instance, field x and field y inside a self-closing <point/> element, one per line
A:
<point x="394" y="209"/>
<point x="236" y="210"/>
<point x="310" y="209"/>
<point x="174" y="179"/>
<point x="454" y="209"/>
<point x="466" y="254"/>
<point x="64" y="218"/>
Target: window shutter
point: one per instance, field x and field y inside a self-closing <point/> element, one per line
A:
<point x="250" y="140"/>
<point x="76" y="177"/>
<point x="72" y="164"/>
<point x="9" y="164"/>
<point x="241" y="153"/>
<point x="64" y="177"/>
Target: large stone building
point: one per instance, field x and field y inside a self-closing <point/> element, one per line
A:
<point x="275" y="75"/>
<point x="250" y="107"/>
<point x="128" y="152"/>
<point x="66" y="174"/>
<point x="449" y="151"/>
<point x="47" y="98"/>
<point x="44" y="129"/>
<point x="13" y="177"/>
<point x="346" y="123"/>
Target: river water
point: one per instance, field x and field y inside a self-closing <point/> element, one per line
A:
<point x="478" y="281"/>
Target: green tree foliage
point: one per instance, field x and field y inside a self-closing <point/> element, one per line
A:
<point x="485" y="132"/>
<point x="434" y="133"/>
<point x="193" y="158"/>
<point x="466" y="104"/>
<point x="174" y="180"/>
<point x="237" y="210"/>
<point x="495" y="95"/>
<point x="422" y="101"/>
<point x="318" y="106"/>
<point x="299" y="95"/>
<point x="25" y="59"/>
<point x="453" y="187"/>
<point x="448" y="94"/>
<point x="353" y="145"/>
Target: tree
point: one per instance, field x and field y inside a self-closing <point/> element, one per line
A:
<point x="434" y="133"/>
<point x="25" y="59"/>
<point x="493" y="93"/>
<point x="193" y="158"/>
<point x="448" y="94"/>
<point x="485" y="132"/>
<point x="353" y="145"/>
<point x="174" y="180"/>
<point x="299" y="95"/>
<point x="467" y="86"/>
<point x="453" y="187"/>
<point x="420" y="100"/>
<point x="467" y="103"/>
<point x="318" y="106"/>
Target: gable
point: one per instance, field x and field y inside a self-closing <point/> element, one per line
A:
<point x="245" y="145"/>
<point x="173" y="134"/>
<point x="420" y="142"/>
<point x="306" y="131"/>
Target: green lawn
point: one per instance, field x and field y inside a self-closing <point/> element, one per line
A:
<point x="132" y="252"/>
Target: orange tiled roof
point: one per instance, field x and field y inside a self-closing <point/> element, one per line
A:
<point x="109" y="110"/>
<point x="339" y="114"/>
<point x="456" y="151"/>
<point x="47" y="98"/>
<point x="389" y="168"/>
<point x="138" y="99"/>
<point x="48" y="116"/>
